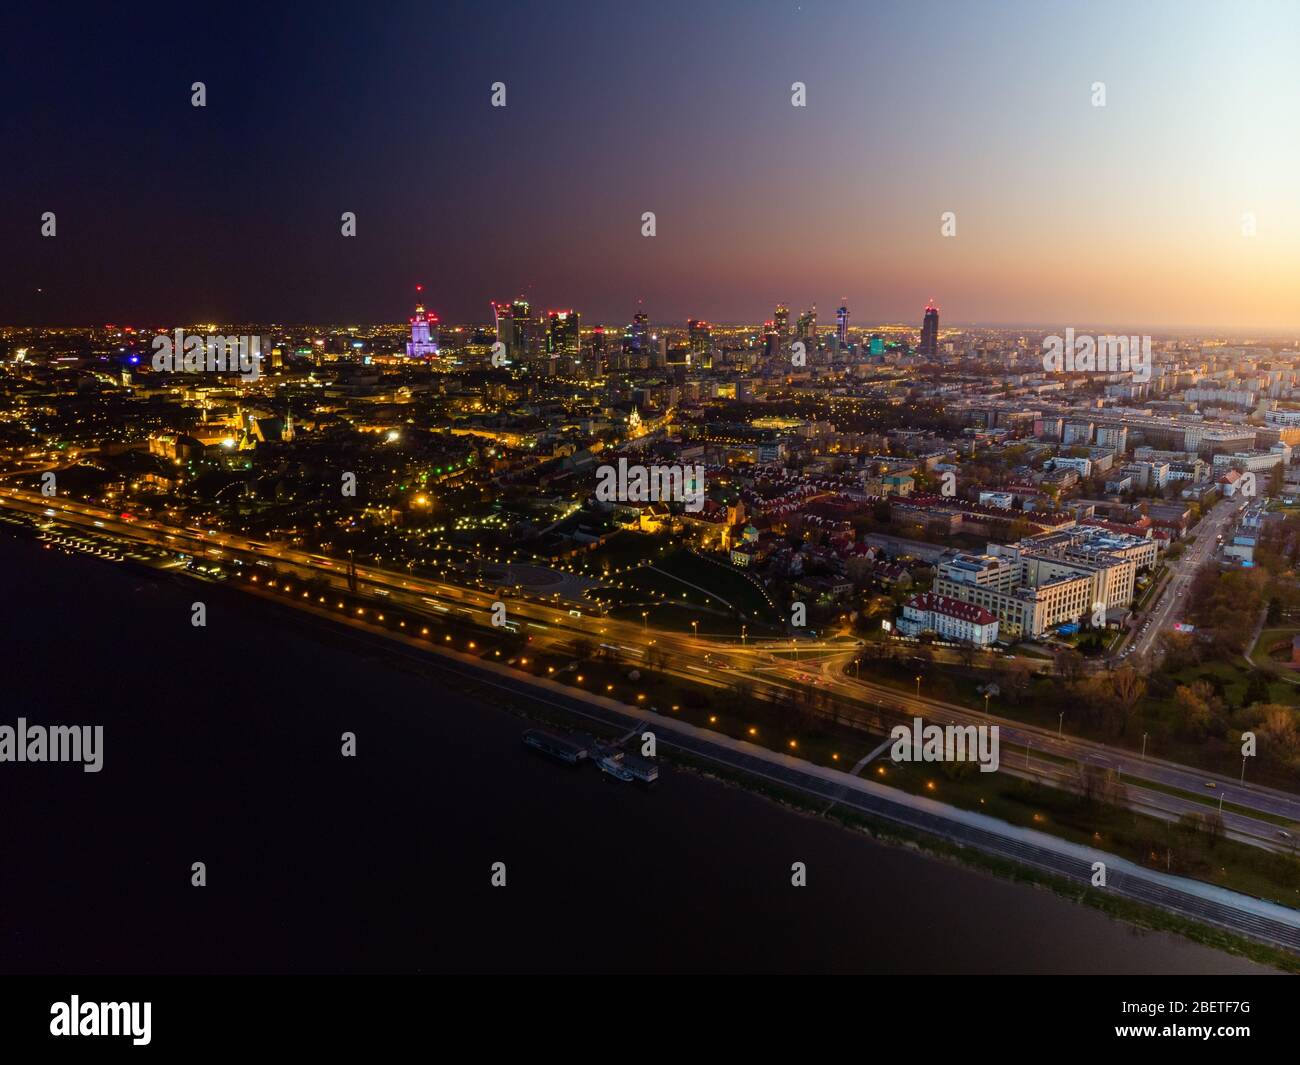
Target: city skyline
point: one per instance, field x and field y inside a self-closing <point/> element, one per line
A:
<point x="1131" y="214"/>
<point x="628" y="323"/>
<point x="651" y="489"/>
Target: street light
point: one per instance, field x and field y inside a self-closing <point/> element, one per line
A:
<point x="918" y="685"/>
<point x="645" y="614"/>
<point x="1144" y="746"/>
<point x="743" y="630"/>
<point x="1060" y="725"/>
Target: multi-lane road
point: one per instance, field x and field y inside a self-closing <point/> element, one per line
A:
<point x="1169" y="608"/>
<point x="770" y="667"/>
<point x="774" y="669"/>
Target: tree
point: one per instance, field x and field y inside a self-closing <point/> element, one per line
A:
<point x="1196" y="705"/>
<point x="740" y="696"/>
<point x="1256" y="688"/>
<point x="1013" y="678"/>
<point x="1098" y="785"/>
<point x="1278" y="732"/>
<point x="656" y="658"/>
<point x="1125" y="690"/>
<point x="1203" y="829"/>
<point x="1180" y="650"/>
<point x="1069" y="665"/>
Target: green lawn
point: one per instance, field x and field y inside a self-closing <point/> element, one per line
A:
<point x="718" y="578"/>
<point x="1270" y="638"/>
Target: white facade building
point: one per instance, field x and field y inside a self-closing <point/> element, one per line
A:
<point x="950" y="618"/>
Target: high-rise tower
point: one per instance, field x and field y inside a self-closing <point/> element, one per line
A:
<point x="563" y="335"/>
<point x="424" y="330"/>
<point x="699" y="335"/>
<point x="503" y="319"/>
<point x="930" y="331"/>
<point x="523" y="336"/>
<point x="806" y="327"/>
<point x="781" y="323"/>
<point x="639" y="333"/>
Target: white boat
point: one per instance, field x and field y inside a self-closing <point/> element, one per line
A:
<point x="614" y="768"/>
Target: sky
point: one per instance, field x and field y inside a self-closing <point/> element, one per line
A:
<point x="1126" y="215"/>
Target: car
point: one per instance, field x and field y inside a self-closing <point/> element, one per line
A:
<point x="1211" y="784"/>
<point x="1284" y="833"/>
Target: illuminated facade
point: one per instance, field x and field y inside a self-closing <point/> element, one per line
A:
<point x="424" y="335"/>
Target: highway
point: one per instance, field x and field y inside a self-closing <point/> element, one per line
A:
<point x="768" y="665"/>
<point x="1131" y="768"/>
<point x="1247" y="916"/>
<point x="1243" y="915"/>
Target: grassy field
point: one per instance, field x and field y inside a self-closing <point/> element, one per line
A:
<point x="1233" y="679"/>
<point x="675" y="617"/>
<point x="685" y="580"/>
<point x="1275" y="639"/>
<point x="723" y="581"/>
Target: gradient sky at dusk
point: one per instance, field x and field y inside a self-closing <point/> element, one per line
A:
<point x="1128" y="215"/>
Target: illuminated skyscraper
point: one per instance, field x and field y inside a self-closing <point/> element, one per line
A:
<point x="807" y="326"/>
<point x="699" y="334"/>
<point x="562" y="334"/>
<point x="781" y="322"/>
<point x="638" y="333"/>
<point x="424" y="330"/>
<point x="930" y="331"/>
<point x="842" y="326"/>
<point x="505" y="325"/>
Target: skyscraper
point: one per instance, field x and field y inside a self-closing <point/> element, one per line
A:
<point x="638" y="332"/>
<point x="699" y="334"/>
<point x="781" y="322"/>
<point x="424" y="330"/>
<point x="562" y="334"/>
<point x="505" y="326"/>
<point x="594" y="361"/>
<point x="807" y="325"/>
<point x="842" y="326"/>
<point x="521" y="320"/>
<point x="930" y="331"/>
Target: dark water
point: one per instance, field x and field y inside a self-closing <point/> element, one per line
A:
<point x="222" y="746"/>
